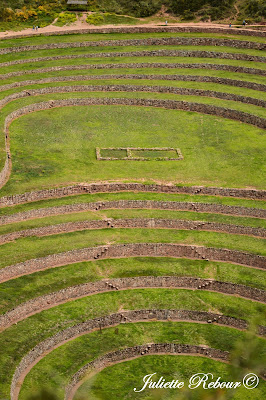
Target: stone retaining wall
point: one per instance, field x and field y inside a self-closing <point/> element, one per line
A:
<point x="147" y="29"/>
<point x="185" y="78"/>
<point x="45" y="347"/>
<point x="5" y="172"/>
<point x="133" y="204"/>
<point x="168" y="104"/>
<point x="133" y="65"/>
<point x="173" y="41"/>
<point x="144" y="223"/>
<point x="79" y="189"/>
<point x="132" y="250"/>
<point x="93" y="188"/>
<point x="134" y="89"/>
<point x="71" y="293"/>
<point x="158" y="53"/>
<point x="140" y="351"/>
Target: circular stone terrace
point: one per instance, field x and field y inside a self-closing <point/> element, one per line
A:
<point x="132" y="206"/>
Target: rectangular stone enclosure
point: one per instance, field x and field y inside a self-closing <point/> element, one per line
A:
<point x="139" y="154"/>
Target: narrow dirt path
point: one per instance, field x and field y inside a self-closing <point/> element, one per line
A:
<point x="81" y="24"/>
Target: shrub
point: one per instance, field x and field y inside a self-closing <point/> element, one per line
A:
<point x="216" y="8"/>
<point x="32" y="14"/>
<point x="95" y="19"/>
<point x="7" y="14"/>
<point x="254" y="8"/>
<point x="136" y="8"/>
<point x="21" y="12"/>
<point x="66" y="18"/>
<point x="143" y="8"/>
<point x="187" y="15"/>
<point x="25" y="14"/>
<point x="216" y="13"/>
<point x="204" y="17"/>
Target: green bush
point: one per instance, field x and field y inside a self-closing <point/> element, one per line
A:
<point x="188" y="15"/>
<point x="204" y="17"/>
<point x="136" y="8"/>
<point x="213" y="8"/>
<point x="29" y="12"/>
<point x="254" y="8"/>
<point x="95" y="19"/>
<point x="66" y="18"/>
<point x="216" y="13"/>
<point x="143" y="8"/>
<point x="6" y="14"/>
<point x="204" y="9"/>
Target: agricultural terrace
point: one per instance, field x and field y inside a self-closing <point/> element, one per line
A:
<point x="132" y="210"/>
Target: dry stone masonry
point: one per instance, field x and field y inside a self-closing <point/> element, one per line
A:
<point x="158" y="53"/>
<point x="69" y="294"/>
<point x="133" y="88"/>
<point x="144" y="223"/>
<point x="255" y="86"/>
<point x="132" y="250"/>
<point x="133" y="204"/>
<point x="157" y="29"/>
<point x="168" y="104"/>
<point x="79" y="189"/>
<point x="45" y="347"/>
<point x="132" y="154"/>
<point x="140" y="351"/>
<point x="173" y="41"/>
<point x="174" y="77"/>
<point x="47" y="301"/>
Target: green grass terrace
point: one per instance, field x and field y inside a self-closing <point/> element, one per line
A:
<point x="46" y="329"/>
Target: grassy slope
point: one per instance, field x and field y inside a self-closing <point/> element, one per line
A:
<point x="26" y="56"/>
<point x="244" y="107"/>
<point x="133" y="70"/>
<point x="87" y="198"/>
<point x="85" y="37"/>
<point x="67" y="359"/>
<point x="20" y="338"/>
<point x="162" y="59"/>
<point x="124" y="377"/>
<point x="28" y="41"/>
<point x="24" y="288"/>
<point x="28" y="248"/>
<point x="90" y="80"/>
<point x="37" y="170"/>
<point x="129" y="213"/>
<point x="67" y="153"/>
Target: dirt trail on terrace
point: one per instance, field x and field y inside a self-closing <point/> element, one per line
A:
<point x="82" y="24"/>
